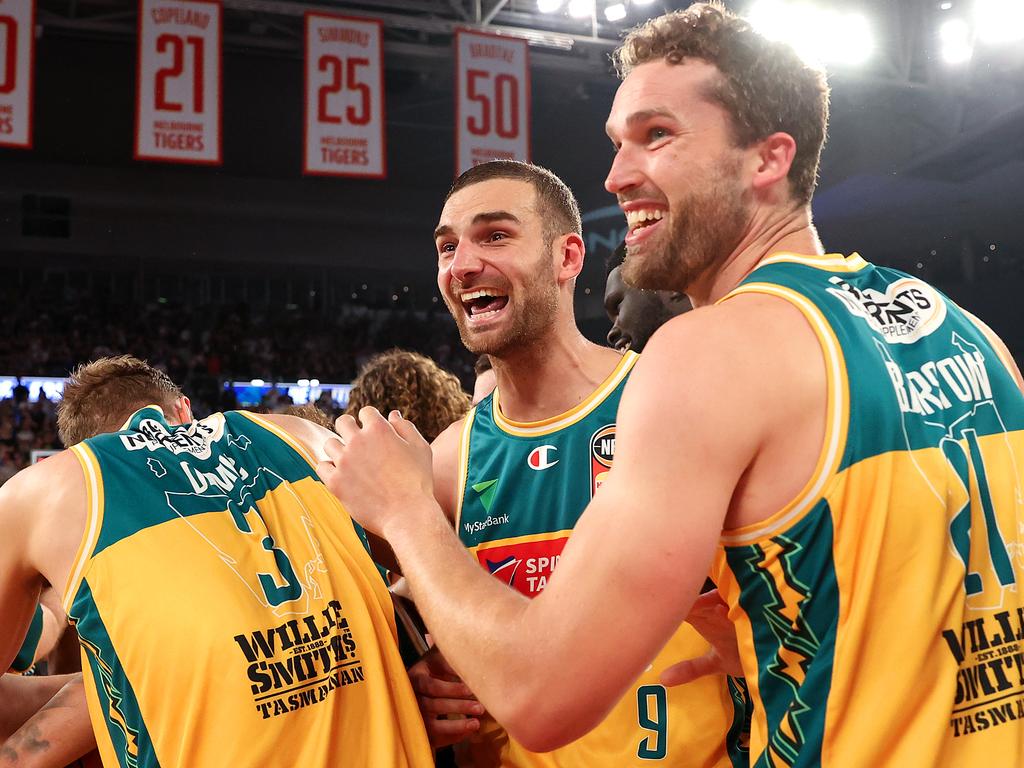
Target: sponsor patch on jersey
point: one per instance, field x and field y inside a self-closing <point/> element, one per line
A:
<point x="542" y="457"/>
<point x="195" y="438"/>
<point x="524" y="566"/>
<point x="908" y="310"/>
<point x="602" y="451"/>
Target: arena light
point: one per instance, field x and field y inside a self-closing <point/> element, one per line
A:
<point x="818" y="35"/>
<point x="642" y="3"/>
<point x="257" y="382"/>
<point x="303" y="382"/>
<point x="955" y="40"/>
<point x="314" y="383"/>
<point x="581" y="9"/>
<point x="616" y="12"/>
<point x="997" y="22"/>
<point x="548" y="6"/>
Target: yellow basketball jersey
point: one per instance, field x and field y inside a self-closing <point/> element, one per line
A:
<point x="228" y="611"/>
<point x="879" y="615"/>
<point x="522" y="489"/>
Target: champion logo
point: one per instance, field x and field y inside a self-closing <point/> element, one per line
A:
<point x="541" y="457"/>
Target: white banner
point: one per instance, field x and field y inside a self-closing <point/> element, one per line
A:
<point x="178" y="100"/>
<point x="492" y="107"/>
<point x="17" y="40"/>
<point x="344" y="75"/>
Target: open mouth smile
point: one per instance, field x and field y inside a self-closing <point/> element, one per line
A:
<point x="483" y="304"/>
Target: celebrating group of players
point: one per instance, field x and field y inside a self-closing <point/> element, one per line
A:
<point x="834" y="444"/>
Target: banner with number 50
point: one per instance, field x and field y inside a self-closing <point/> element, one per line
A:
<point x="492" y="115"/>
<point x="17" y="36"/>
<point x="178" y="107"/>
<point x="344" y="123"/>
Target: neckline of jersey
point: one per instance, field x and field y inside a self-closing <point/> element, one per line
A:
<point x="137" y="412"/>
<point x="574" y="414"/>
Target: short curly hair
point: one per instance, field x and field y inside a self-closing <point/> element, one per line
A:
<point x="765" y="87"/>
<point x="100" y="395"/>
<point x="425" y="393"/>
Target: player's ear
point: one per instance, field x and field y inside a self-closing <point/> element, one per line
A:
<point x="775" y="155"/>
<point x="571" y="251"/>
<point x="183" y="410"/>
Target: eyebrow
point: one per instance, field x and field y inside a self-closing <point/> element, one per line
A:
<point x="642" y="116"/>
<point x="486" y="217"/>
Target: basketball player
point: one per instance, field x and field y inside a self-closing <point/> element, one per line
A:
<point x="842" y="442"/>
<point x="635" y="313"/>
<point x="226" y="606"/>
<point x="516" y="473"/>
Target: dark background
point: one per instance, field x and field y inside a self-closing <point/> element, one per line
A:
<point x="922" y="169"/>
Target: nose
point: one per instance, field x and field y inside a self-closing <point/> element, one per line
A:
<point x="624" y="173"/>
<point x="614" y="335"/>
<point x="466" y="262"/>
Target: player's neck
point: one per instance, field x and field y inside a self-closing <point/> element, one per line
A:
<point x="788" y="232"/>
<point x="551" y="377"/>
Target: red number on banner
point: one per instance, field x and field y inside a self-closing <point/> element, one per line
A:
<point x="502" y="84"/>
<point x="363" y="116"/>
<point x="177" y="47"/>
<point x="506" y="105"/>
<point x="9" y="27"/>
<point x="483" y="127"/>
<point x="336" y="83"/>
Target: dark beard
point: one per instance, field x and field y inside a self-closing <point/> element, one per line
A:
<point x="705" y="230"/>
<point x="536" y="313"/>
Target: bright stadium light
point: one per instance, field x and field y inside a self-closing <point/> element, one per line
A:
<point x="303" y="383"/>
<point x="616" y="12"/>
<point x="641" y="3"/>
<point x="257" y="383"/>
<point x="818" y="35"/>
<point x="581" y="9"/>
<point x="314" y="383"/>
<point x="955" y="38"/>
<point x="999" y="21"/>
<point x="548" y="6"/>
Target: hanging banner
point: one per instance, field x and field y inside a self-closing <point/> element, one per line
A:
<point x="344" y="128"/>
<point x="17" y="41"/>
<point x="492" y="106"/>
<point x="178" y="98"/>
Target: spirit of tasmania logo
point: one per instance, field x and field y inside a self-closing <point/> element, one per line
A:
<point x="906" y="312"/>
<point x="525" y="566"/>
<point x="602" y="451"/>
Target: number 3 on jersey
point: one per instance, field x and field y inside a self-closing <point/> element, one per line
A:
<point x="652" y="715"/>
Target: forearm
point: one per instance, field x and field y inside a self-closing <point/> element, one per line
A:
<point x="56" y="735"/>
<point x="478" y="623"/>
<point x="22" y="697"/>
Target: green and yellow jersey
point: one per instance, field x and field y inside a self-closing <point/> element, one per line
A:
<point x="879" y="614"/>
<point x="522" y="487"/>
<point x="228" y="611"/>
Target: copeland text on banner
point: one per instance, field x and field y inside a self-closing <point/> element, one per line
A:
<point x="492" y="115"/>
<point x="17" y="40"/>
<point x="344" y="121"/>
<point x="178" y="100"/>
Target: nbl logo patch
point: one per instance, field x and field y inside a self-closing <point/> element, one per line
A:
<point x="602" y="451"/>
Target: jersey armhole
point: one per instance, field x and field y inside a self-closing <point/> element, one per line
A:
<point x="93" y="524"/>
<point x="994" y="342"/>
<point x="837" y="417"/>
<point x="460" y="488"/>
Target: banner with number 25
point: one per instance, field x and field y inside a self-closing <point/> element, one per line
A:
<point x="178" y="107"/>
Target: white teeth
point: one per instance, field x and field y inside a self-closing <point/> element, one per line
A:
<point x="479" y="294"/>
<point x="635" y="218"/>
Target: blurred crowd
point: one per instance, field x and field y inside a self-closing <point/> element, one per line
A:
<point x="200" y="348"/>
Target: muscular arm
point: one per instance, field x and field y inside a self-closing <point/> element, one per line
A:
<point x="57" y="734"/>
<point x="549" y="669"/>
